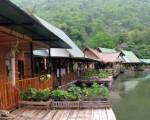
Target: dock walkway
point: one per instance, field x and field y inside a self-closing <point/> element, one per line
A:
<point x="85" y="114"/>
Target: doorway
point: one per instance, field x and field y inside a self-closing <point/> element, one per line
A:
<point x="21" y="69"/>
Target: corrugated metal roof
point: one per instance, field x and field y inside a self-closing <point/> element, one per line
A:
<point x="75" y="50"/>
<point x="130" y="57"/>
<point x="55" y="52"/>
<point x="110" y="57"/>
<point x="106" y="50"/>
<point x="41" y="53"/>
<point x="13" y="17"/>
<point x="145" y="61"/>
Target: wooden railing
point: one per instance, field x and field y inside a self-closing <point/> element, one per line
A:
<point x="9" y="95"/>
<point x="3" y="79"/>
<point x="33" y="82"/>
<point x="68" y="78"/>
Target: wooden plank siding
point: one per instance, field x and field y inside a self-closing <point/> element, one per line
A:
<point x="9" y="95"/>
<point x="68" y="78"/>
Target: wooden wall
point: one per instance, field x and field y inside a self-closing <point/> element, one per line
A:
<point x="26" y="60"/>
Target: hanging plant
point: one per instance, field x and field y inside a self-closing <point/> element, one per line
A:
<point x="43" y="78"/>
<point x="48" y="76"/>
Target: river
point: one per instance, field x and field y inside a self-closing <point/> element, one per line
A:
<point x="131" y="96"/>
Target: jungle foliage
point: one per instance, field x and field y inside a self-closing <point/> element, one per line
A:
<point x="99" y="23"/>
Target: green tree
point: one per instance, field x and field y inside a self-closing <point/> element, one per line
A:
<point x="102" y="39"/>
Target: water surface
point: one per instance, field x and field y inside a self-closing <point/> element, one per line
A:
<point x="131" y="96"/>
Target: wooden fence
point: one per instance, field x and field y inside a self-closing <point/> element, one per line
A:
<point x="9" y="95"/>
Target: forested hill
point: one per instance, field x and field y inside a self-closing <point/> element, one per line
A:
<point x="95" y="23"/>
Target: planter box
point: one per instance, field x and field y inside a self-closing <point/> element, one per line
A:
<point x="68" y="104"/>
<point x="42" y="104"/>
<point x="65" y="104"/>
<point x="95" y="104"/>
<point x="80" y="104"/>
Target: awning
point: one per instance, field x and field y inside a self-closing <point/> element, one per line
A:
<point x="14" y="18"/>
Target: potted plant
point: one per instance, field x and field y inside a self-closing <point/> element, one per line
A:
<point x="66" y="98"/>
<point x="35" y="97"/>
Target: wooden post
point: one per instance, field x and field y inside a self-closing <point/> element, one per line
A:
<point x="13" y="69"/>
<point x="49" y="61"/>
<point x="60" y="72"/>
<point x="32" y="60"/>
<point x="45" y="66"/>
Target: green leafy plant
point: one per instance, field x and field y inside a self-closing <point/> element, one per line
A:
<point x="92" y="91"/>
<point x="104" y="92"/>
<point x="59" y="95"/>
<point x="74" y="91"/>
<point x="71" y="94"/>
<point x="101" y="74"/>
<point x="71" y="97"/>
<point x="28" y="94"/>
<point x="104" y="74"/>
<point x="96" y="91"/>
<point x="86" y="91"/>
<point x="35" y="95"/>
<point x="42" y="95"/>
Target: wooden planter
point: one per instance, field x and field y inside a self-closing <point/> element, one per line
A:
<point x="45" y="104"/>
<point x="80" y="104"/>
<point x="68" y="104"/>
<point x="95" y="104"/>
<point x="65" y="104"/>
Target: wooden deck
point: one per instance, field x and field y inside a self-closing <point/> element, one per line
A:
<point x="85" y="114"/>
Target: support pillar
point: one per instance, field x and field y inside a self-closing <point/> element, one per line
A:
<point x="50" y="66"/>
<point x="60" y="79"/>
<point x="45" y="61"/>
<point x="32" y="60"/>
<point x="13" y="70"/>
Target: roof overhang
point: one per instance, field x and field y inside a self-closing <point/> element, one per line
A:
<point x="16" y="19"/>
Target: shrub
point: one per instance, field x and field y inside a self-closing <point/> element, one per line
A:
<point x="42" y="95"/>
<point x="74" y="92"/>
<point x="28" y="94"/>
<point x="71" y="97"/>
<point x="101" y="74"/>
<point x="71" y="94"/>
<point x="104" y="74"/>
<point x="96" y="91"/>
<point x="59" y="95"/>
<point x="104" y="92"/>
<point x="34" y="94"/>
<point x="92" y="92"/>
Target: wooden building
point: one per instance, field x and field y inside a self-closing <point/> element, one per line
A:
<point x="130" y="60"/>
<point x="20" y="34"/>
<point x="107" y="60"/>
<point x="104" y="58"/>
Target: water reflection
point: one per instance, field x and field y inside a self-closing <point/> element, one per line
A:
<point x="131" y="96"/>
